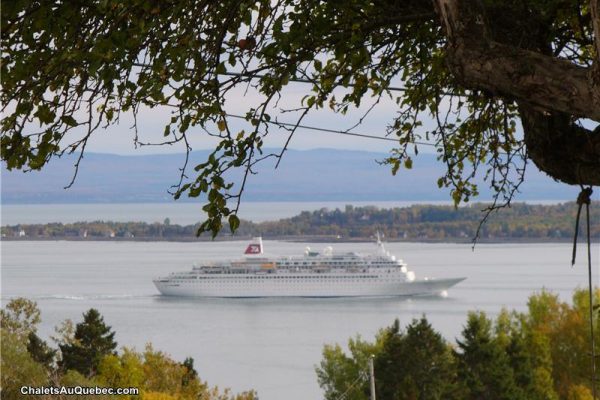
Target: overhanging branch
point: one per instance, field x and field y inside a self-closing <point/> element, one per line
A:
<point x="552" y="93"/>
<point x="511" y="72"/>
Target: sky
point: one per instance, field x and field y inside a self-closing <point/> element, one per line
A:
<point x="118" y="139"/>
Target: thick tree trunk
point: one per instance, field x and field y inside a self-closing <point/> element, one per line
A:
<point x="562" y="149"/>
<point x="523" y="75"/>
<point x="551" y="93"/>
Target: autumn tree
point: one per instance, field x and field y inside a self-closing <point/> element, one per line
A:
<point x="560" y="334"/>
<point x="346" y="374"/>
<point x="18" y="367"/>
<point x="20" y="317"/>
<point x="89" y="359"/>
<point x="19" y="320"/>
<point x="540" y="354"/>
<point x="490" y="83"/>
<point x="529" y="355"/>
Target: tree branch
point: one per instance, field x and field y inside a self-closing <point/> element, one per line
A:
<point x="511" y="72"/>
<point x="551" y="93"/>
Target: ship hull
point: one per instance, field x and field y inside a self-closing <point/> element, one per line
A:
<point x="297" y="286"/>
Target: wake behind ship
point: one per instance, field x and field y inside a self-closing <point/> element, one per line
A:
<point x="313" y="274"/>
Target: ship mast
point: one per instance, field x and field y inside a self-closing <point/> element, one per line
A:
<point x="379" y="243"/>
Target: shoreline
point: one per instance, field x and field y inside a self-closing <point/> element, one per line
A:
<point x="293" y="239"/>
<point x="520" y="223"/>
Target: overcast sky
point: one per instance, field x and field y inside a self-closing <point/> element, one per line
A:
<point x="118" y="139"/>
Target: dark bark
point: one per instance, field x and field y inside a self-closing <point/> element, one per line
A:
<point x="561" y="148"/>
<point x="523" y="75"/>
<point x="551" y="93"/>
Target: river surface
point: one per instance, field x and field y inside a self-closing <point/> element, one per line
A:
<point x="271" y="345"/>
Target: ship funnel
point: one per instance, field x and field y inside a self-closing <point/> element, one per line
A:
<point x="255" y="247"/>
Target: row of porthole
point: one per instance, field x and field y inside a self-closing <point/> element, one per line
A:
<point x="286" y="279"/>
<point x="276" y="278"/>
<point x="289" y="281"/>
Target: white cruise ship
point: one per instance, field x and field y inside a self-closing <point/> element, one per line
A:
<point x="313" y="274"/>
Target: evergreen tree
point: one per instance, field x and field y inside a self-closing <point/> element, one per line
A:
<point x="520" y="361"/>
<point x="93" y="340"/>
<point x="483" y="367"/>
<point x="510" y="334"/>
<point x="40" y="351"/>
<point x="388" y="365"/>
<point x="191" y="373"/>
<point x="415" y="365"/>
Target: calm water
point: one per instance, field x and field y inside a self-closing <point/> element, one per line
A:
<point x="271" y="345"/>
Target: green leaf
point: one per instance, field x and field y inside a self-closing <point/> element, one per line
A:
<point x="395" y="167"/>
<point x="69" y="120"/>
<point x="44" y="114"/>
<point x="234" y="222"/>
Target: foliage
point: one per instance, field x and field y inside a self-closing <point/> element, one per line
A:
<point x="88" y="359"/>
<point x="25" y="358"/>
<point x="68" y="70"/>
<point x="20" y="317"/>
<point x="152" y="371"/>
<point x="191" y="374"/>
<point x="158" y="376"/>
<point x="339" y="373"/>
<point x="73" y="378"/>
<point x="567" y="330"/>
<point x="529" y="355"/>
<point x="18" y="367"/>
<point x="93" y="341"/>
<point x="538" y="354"/>
<point x="157" y="396"/>
<point x="121" y="370"/>
<point x="547" y="222"/>
<point x="580" y="392"/>
<point x="162" y="374"/>
<point x="65" y="333"/>
<point x="415" y="364"/>
<point x="483" y="366"/>
<point x="40" y="351"/>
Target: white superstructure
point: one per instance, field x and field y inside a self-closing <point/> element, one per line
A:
<point x="325" y="274"/>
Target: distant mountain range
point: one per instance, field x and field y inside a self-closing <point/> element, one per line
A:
<point x="309" y="175"/>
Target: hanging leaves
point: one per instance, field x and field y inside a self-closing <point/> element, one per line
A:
<point x="69" y="70"/>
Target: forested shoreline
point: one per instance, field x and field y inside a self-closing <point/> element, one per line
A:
<point x="532" y="222"/>
<point x="541" y="353"/>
